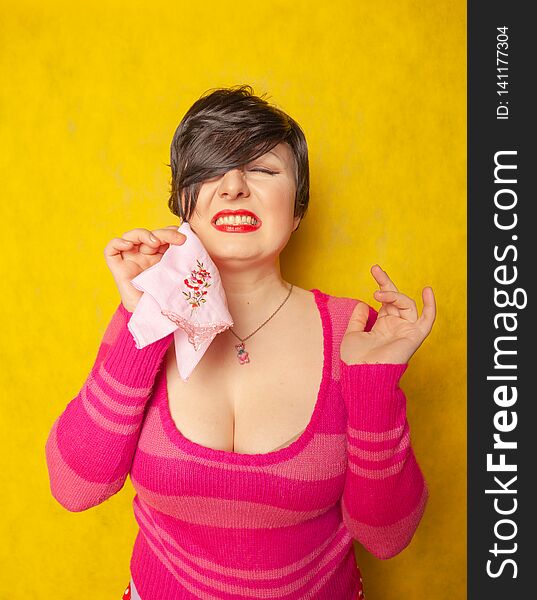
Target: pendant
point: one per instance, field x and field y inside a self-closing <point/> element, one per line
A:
<point x="242" y="355"/>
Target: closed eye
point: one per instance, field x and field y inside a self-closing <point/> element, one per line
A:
<point x="264" y="171"/>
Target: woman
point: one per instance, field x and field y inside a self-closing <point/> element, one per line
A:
<point x="255" y="475"/>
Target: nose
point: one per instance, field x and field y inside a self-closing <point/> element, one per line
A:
<point x="233" y="185"/>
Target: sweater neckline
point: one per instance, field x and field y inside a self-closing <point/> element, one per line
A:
<point x="227" y="456"/>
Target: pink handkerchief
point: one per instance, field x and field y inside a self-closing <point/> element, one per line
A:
<point x="183" y="293"/>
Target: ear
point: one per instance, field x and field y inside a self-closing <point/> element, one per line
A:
<point x="296" y="222"/>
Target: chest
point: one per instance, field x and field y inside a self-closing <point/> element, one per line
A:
<point x="256" y="407"/>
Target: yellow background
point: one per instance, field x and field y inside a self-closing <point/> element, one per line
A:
<point x="90" y="95"/>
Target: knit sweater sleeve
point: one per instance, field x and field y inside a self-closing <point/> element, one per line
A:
<point x="385" y="492"/>
<point x="90" y="446"/>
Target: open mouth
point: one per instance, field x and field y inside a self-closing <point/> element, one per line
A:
<point x="236" y="221"/>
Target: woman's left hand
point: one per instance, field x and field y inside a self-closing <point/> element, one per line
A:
<point x="398" y="330"/>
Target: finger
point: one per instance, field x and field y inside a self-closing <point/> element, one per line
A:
<point x="142" y="236"/>
<point x="167" y="236"/>
<point x="404" y="303"/>
<point x="115" y="247"/>
<point x="428" y="313"/>
<point x="381" y="277"/>
<point x="359" y="317"/>
<point x="145" y="241"/>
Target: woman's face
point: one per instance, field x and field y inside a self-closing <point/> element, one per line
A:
<point x="246" y="214"/>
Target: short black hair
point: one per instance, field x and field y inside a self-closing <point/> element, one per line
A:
<point x="224" y="129"/>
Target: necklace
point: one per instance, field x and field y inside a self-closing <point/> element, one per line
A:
<point x="242" y="355"/>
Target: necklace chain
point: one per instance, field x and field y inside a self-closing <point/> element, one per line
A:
<point x="265" y="322"/>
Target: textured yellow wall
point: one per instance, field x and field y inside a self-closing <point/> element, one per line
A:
<point x="91" y="94"/>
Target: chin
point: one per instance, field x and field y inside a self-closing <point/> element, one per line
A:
<point x="230" y="254"/>
<point x="226" y="247"/>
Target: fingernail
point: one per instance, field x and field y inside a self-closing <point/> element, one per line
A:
<point x="152" y="237"/>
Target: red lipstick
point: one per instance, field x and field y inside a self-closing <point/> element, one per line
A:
<point x="236" y="228"/>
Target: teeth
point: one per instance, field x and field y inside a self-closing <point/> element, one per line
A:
<point x="236" y="220"/>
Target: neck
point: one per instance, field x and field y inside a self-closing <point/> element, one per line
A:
<point x="252" y="294"/>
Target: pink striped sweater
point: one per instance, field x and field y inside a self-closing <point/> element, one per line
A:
<point x="221" y="525"/>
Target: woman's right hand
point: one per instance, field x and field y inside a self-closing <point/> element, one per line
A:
<point x="134" y="252"/>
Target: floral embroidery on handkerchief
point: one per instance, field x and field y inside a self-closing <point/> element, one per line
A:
<point x="198" y="284"/>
